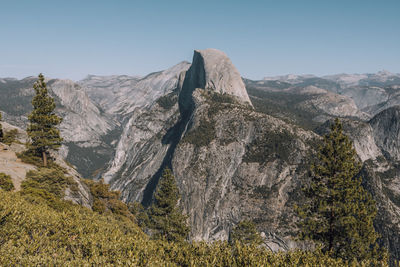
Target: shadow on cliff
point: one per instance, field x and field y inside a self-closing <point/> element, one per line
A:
<point x="194" y="78"/>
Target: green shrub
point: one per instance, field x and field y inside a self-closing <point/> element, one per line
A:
<point x="105" y="200"/>
<point x="264" y="191"/>
<point x="246" y="232"/>
<point x="140" y="213"/>
<point x="47" y="184"/>
<point x="202" y="135"/>
<point x="9" y="137"/>
<point x="30" y="157"/>
<point x="269" y="145"/>
<point x="6" y="182"/>
<point x="33" y="234"/>
<point x="52" y="180"/>
<point x="99" y="206"/>
<point x="167" y="101"/>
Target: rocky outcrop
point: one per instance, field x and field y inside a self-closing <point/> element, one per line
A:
<point x="9" y="163"/>
<point x="82" y="121"/>
<point x="234" y="164"/>
<point x="81" y="194"/>
<point x="142" y="149"/>
<point x="386" y="126"/>
<point x="121" y="95"/>
<point x="362" y="135"/>
<point x="212" y="69"/>
<point x="152" y="133"/>
<point x="13" y="166"/>
<point x="331" y="104"/>
<point x="382" y="179"/>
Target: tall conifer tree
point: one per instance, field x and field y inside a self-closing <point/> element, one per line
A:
<point x="1" y="129"/>
<point x="43" y="121"/>
<point x="340" y="212"/>
<point x="166" y="220"/>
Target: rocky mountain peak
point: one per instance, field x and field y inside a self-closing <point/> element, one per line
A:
<point x="212" y="69"/>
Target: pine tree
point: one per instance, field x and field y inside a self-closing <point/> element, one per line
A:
<point x="1" y="129"/>
<point x="246" y="233"/>
<point x="43" y="121"/>
<point x="166" y="220"/>
<point x="340" y="212"/>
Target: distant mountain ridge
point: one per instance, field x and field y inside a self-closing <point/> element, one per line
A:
<point x="383" y="77"/>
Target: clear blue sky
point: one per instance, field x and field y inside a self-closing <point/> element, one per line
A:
<point x="70" y="39"/>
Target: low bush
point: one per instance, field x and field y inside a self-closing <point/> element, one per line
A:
<point x="30" y="157"/>
<point x="6" y="182"/>
<point x="9" y="137"/>
<point x="168" y="101"/>
<point x="268" y="146"/>
<point x="105" y="200"/>
<point x="33" y="234"/>
<point x="47" y="184"/>
<point x="202" y="135"/>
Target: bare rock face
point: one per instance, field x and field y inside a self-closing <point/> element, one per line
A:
<point x="142" y="149"/>
<point x="329" y="103"/>
<point x="82" y="120"/>
<point x="13" y="166"/>
<point x="9" y="163"/>
<point x="235" y="164"/>
<point x="121" y="95"/>
<point x="81" y="195"/>
<point x="212" y="69"/>
<point x="386" y="126"/>
<point x="362" y="135"/>
<point x="158" y="120"/>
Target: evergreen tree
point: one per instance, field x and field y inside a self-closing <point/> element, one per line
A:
<point x="340" y="212"/>
<point x="43" y="121"/>
<point x="1" y="129"/>
<point x="140" y="213"/>
<point x="246" y="233"/>
<point x="166" y="220"/>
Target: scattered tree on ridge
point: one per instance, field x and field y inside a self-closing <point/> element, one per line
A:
<point x="165" y="219"/>
<point x="340" y="212"/>
<point x="43" y="121"/>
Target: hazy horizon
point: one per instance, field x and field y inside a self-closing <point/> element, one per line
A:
<point x="142" y="76"/>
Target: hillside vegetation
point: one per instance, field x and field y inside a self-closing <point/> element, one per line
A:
<point x="33" y="233"/>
